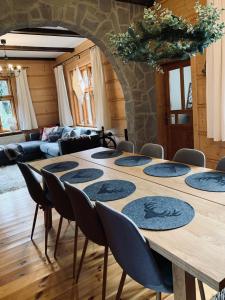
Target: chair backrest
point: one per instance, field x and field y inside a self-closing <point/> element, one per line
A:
<point x="86" y="215"/>
<point x="221" y="165"/>
<point x="60" y="200"/>
<point x="190" y="156"/>
<point x="130" y="249"/>
<point x="126" y="146"/>
<point x="35" y="190"/>
<point x="152" y="150"/>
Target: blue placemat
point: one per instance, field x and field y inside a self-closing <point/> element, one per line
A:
<point x="167" y="170"/>
<point x="82" y="175"/>
<point x="207" y="181"/>
<point x="109" y="190"/>
<point x="106" y="154"/>
<point x="159" y="213"/>
<point x="61" y="166"/>
<point x="134" y="160"/>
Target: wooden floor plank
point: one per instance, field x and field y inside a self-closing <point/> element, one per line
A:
<point x="26" y="274"/>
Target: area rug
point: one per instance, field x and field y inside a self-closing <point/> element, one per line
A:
<point x="11" y="179"/>
<point x="159" y="212"/>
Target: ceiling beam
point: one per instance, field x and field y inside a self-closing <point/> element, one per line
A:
<point x="46" y="32"/>
<point x="27" y="58"/>
<point x="38" y="49"/>
<point x="139" y="2"/>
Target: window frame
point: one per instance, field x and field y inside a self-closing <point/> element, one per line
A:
<point x="88" y="90"/>
<point x="10" y="98"/>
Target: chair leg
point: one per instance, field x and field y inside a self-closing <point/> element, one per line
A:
<point x="158" y="296"/>
<point x="82" y="259"/>
<point x="104" y="281"/>
<point x="201" y="290"/>
<point x="75" y="250"/>
<point x="34" y="221"/>
<point x="58" y="235"/>
<point x="46" y="231"/>
<point x="120" y="289"/>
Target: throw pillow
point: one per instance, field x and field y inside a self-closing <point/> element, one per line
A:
<point x="54" y="137"/>
<point x="47" y="131"/>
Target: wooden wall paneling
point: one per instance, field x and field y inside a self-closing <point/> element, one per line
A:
<point x="42" y="86"/>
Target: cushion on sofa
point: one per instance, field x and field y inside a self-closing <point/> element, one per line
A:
<point x="51" y="149"/>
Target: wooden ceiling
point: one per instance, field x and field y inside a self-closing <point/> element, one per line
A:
<point x="140" y="2"/>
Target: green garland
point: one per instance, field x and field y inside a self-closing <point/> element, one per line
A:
<point x="161" y="36"/>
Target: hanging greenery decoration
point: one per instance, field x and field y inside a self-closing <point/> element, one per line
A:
<point x="161" y="36"/>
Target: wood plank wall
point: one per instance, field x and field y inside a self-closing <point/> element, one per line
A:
<point x="42" y="88"/>
<point x="213" y="150"/>
<point x="113" y="87"/>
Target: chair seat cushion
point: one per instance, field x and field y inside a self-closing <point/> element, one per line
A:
<point x="51" y="149"/>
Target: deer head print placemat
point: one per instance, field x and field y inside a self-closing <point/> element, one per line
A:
<point x="106" y="154"/>
<point x="133" y="160"/>
<point x="109" y="190"/>
<point x="207" y="181"/>
<point x="167" y="170"/>
<point x="82" y="175"/>
<point x="61" y="166"/>
<point x="159" y="212"/>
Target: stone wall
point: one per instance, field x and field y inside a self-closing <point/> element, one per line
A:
<point x="94" y="19"/>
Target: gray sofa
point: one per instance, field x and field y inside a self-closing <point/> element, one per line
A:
<point x="70" y="140"/>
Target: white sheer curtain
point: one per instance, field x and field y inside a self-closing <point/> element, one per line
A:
<point x="79" y="89"/>
<point x="103" y="117"/>
<point x="215" y="85"/>
<point x="65" y="116"/>
<point x="26" y="115"/>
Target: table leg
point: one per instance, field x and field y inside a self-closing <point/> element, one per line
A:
<point x="183" y="285"/>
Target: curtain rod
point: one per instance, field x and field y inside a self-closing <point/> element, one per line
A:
<point x="76" y="55"/>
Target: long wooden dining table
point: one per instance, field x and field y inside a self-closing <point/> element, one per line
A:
<point x="196" y="250"/>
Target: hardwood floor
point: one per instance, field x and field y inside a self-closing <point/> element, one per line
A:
<point x="25" y="273"/>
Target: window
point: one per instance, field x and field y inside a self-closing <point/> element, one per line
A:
<point x="8" y="120"/>
<point x="180" y="94"/>
<point x="85" y="110"/>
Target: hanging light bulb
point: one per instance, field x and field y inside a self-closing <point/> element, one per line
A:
<point x="10" y="70"/>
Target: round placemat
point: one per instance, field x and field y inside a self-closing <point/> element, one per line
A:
<point x="131" y="161"/>
<point x="159" y="213"/>
<point x="61" y="166"/>
<point x="207" y="181"/>
<point x="167" y="170"/>
<point x="82" y="175"/>
<point x="109" y="190"/>
<point x="106" y="154"/>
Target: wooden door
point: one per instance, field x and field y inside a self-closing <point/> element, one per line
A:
<point x="179" y="116"/>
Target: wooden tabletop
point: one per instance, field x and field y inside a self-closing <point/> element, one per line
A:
<point x="197" y="248"/>
<point x="176" y="183"/>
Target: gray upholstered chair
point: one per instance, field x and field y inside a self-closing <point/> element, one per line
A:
<point x="89" y="223"/>
<point x="190" y="156"/>
<point x="40" y="197"/>
<point x="133" y="253"/>
<point x="63" y="206"/>
<point x="152" y="150"/>
<point x="126" y="146"/>
<point x="221" y="165"/>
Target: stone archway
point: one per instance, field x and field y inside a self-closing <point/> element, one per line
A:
<point x="94" y="19"/>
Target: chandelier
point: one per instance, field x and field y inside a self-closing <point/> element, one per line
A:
<point x="9" y="70"/>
